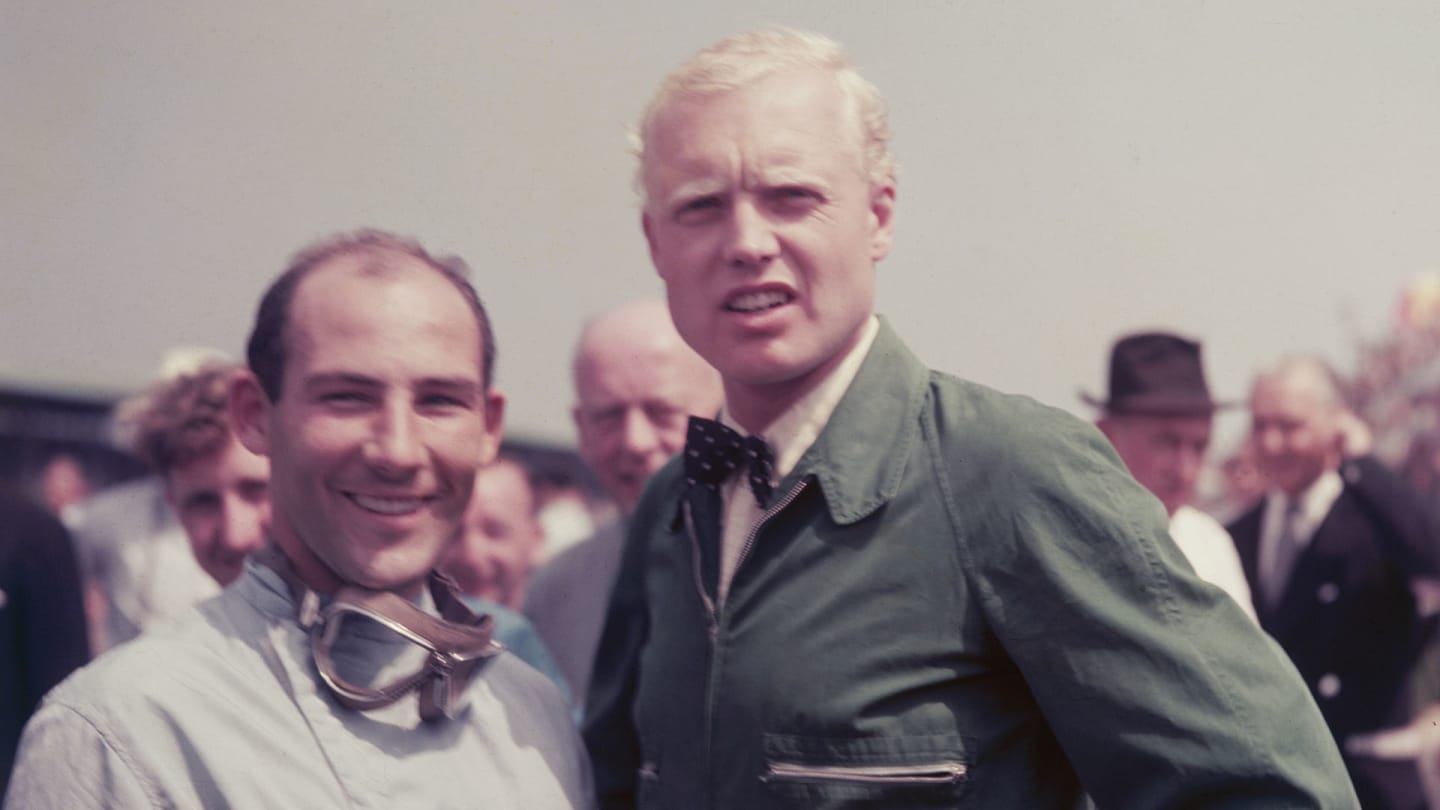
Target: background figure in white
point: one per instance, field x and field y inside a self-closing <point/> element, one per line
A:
<point x="135" y="559"/>
<point x="1159" y="415"/>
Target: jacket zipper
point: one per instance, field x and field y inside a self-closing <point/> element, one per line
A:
<point x="769" y="513"/>
<point x="935" y="773"/>
<point x="711" y="617"/>
<point x="712" y="614"/>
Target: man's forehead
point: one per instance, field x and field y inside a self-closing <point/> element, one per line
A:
<point x="680" y="142"/>
<point x="505" y="483"/>
<point x="1169" y="423"/>
<point x="325" y="316"/>
<point x="654" y="373"/>
<point x="230" y="459"/>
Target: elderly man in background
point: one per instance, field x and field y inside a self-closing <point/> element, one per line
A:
<point x="900" y="589"/>
<point x="341" y="669"/>
<point x="1159" y="416"/>
<point x="1330" y="553"/>
<point x="636" y="384"/>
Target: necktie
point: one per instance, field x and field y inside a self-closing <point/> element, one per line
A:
<point x="714" y="451"/>
<point x="1287" y="548"/>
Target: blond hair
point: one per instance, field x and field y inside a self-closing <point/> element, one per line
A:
<point x="743" y="59"/>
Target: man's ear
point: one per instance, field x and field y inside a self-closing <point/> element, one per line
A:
<point x="649" y="230"/>
<point x="494" y="407"/>
<point x="249" y="412"/>
<point x="882" y="210"/>
<point x="578" y="417"/>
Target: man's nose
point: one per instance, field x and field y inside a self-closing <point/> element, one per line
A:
<point x="243" y="525"/>
<point x="1267" y="440"/>
<point x="1190" y="463"/>
<point x="394" y="448"/>
<point x="751" y="241"/>
<point x="638" y="435"/>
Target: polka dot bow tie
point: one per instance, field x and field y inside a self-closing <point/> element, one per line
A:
<point x="714" y="451"/>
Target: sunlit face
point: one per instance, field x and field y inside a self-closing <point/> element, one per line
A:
<point x="1295" y="428"/>
<point x="382" y="421"/>
<point x="1164" y="453"/>
<point x="223" y="501"/>
<point x="64" y="484"/>
<point x="501" y="539"/>
<point x="764" y="228"/>
<point x="635" y="396"/>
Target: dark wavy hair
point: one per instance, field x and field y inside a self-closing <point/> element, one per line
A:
<point x="266" y="350"/>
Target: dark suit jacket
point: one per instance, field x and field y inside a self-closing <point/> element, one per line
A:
<point x="1347" y="617"/>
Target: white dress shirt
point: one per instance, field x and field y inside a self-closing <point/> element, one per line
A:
<point x="1313" y="505"/>
<point x="789" y="437"/>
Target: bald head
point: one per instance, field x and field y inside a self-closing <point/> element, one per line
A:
<point x="1297" y="412"/>
<point x="636" y="384"/>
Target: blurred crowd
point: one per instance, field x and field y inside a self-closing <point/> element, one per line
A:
<point x="539" y="541"/>
<point x="1324" y="541"/>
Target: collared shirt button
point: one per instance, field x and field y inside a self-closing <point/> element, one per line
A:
<point x="1328" y="593"/>
<point x="1329" y="685"/>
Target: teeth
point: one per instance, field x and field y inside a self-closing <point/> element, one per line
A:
<point x="388" y="506"/>
<point x="756" y="301"/>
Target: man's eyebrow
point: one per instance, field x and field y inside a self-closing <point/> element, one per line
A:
<point x="197" y="495"/>
<point x="792" y="176"/>
<point x="463" y="384"/>
<point x="691" y="189"/>
<point x="337" y="378"/>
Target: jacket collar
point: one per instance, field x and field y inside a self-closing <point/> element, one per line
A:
<point x="859" y="456"/>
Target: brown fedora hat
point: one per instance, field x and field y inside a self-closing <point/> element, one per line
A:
<point x="1156" y="373"/>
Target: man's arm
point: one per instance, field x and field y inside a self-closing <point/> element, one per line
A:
<point x="1413" y="539"/>
<point x="1160" y="690"/>
<point x="65" y="763"/>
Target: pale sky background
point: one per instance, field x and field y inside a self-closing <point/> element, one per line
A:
<point x="1260" y="175"/>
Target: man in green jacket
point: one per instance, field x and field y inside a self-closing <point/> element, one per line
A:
<point x="874" y="585"/>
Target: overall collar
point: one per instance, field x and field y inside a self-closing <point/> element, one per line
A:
<point x="860" y="454"/>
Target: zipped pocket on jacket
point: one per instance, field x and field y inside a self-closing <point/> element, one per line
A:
<point x="936" y="773"/>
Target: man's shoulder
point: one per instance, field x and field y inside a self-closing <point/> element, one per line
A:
<point x="1246" y="523"/>
<point x="122" y="510"/>
<point x="1388" y="497"/>
<point x="521" y="688"/>
<point x="982" y="422"/>
<point x="1193" y="522"/>
<point x="173" y="663"/>
<point x="581" y="559"/>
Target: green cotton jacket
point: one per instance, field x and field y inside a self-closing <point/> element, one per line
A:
<point x="958" y="598"/>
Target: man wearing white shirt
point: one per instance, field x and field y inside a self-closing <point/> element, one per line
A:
<point x="1158" y="414"/>
<point x="340" y="669"/>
